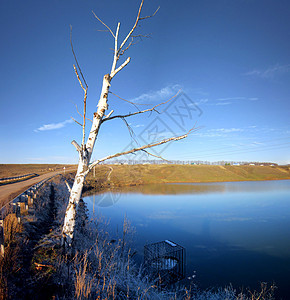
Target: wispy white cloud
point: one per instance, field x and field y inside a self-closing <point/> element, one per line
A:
<point x="53" y="126"/>
<point x="208" y="134"/>
<point x="223" y="103"/>
<point x="226" y="130"/>
<point x="219" y="132"/>
<point x="199" y="102"/>
<point x="159" y="95"/>
<point x="270" y="72"/>
<point x="237" y="99"/>
<point x="230" y="100"/>
<point x="256" y="144"/>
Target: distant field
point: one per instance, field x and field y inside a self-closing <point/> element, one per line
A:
<point x="120" y="175"/>
<point x="10" y="170"/>
<point x="143" y="174"/>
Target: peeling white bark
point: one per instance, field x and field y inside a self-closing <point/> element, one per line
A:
<point x="85" y="153"/>
<point x="98" y="116"/>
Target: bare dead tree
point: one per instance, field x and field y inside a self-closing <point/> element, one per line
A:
<point x="85" y="150"/>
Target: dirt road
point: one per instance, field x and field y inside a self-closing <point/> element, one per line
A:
<point x="10" y="191"/>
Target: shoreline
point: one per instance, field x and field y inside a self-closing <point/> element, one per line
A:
<point x="124" y="176"/>
<point x="148" y="188"/>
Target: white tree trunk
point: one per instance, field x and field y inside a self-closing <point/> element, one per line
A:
<point x="85" y="153"/>
<point x="70" y="215"/>
<point x="98" y="116"/>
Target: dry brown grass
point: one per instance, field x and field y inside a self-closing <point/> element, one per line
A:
<point x="9" y="264"/>
<point x="130" y="175"/>
<point x="11" y="170"/>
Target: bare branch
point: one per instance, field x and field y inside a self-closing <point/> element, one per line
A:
<point x="84" y="89"/>
<point x="68" y="186"/>
<point x="116" y="37"/>
<point x="76" y="71"/>
<point x="143" y="18"/>
<point x="142" y="111"/>
<point x="135" y="104"/>
<point x="76" y="109"/>
<point x="72" y="48"/>
<point x="84" y="113"/>
<point x="136" y="23"/>
<point x="156" y="155"/>
<point x="84" y="117"/>
<point x="131" y="131"/>
<point x="77" y="122"/>
<point x="134" y="26"/>
<point x="149" y="35"/>
<point x="77" y="146"/>
<point x="121" y="52"/>
<point x="116" y="56"/>
<point x="109" y="114"/>
<point x="124" y="64"/>
<point x="140" y="148"/>
<point x="104" y="24"/>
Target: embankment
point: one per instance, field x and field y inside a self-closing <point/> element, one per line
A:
<point x="123" y="175"/>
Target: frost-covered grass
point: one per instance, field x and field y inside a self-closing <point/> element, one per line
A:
<point x="101" y="267"/>
<point x="104" y="268"/>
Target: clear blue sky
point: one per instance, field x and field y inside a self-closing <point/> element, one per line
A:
<point x="230" y="58"/>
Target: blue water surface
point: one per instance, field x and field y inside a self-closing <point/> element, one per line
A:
<point x="234" y="232"/>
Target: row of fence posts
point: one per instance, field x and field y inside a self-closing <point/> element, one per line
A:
<point x="17" y="177"/>
<point x="14" y="207"/>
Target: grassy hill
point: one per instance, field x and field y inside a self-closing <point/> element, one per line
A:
<point x="119" y="175"/>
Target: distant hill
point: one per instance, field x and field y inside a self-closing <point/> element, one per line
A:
<point x="120" y="175"/>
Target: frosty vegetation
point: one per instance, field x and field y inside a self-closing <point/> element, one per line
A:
<point x="102" y="266"/>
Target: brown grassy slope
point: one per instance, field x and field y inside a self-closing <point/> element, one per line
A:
<point x="11" y="170"/>
<point x="143" y="174"/>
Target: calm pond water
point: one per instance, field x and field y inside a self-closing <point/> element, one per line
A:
<point x="233" y="232"/>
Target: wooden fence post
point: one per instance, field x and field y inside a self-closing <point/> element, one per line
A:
<point x="18" y="212"/>
<point x="14" y="209"/>
<point x="1" y="237"/>
<point x="26" y="202"/>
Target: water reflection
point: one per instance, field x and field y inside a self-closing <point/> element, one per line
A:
<point x="165" y="189"/>
<point x="233" y="232"/>
<point x="109" y="198"/>
<point x="199" y="188"/>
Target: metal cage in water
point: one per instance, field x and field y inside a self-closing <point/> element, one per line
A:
<point x="165" y="261"/>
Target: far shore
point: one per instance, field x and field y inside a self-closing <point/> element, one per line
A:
<point x="114" y="176"/>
